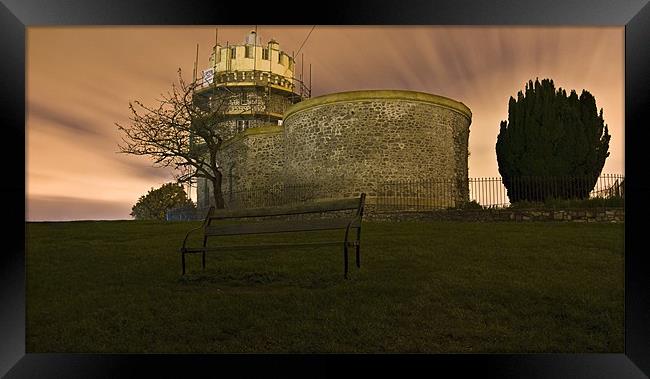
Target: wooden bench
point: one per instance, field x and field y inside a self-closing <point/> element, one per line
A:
<point x="261" y="225"/>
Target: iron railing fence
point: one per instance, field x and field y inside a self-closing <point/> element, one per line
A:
<point x="277" y="195"/>
<point x="431" y="194"/>
<point x="543" y="188"/>
<point x="491" y="192"/>
<point x="417" y="195"/>
<point x="185" y="214"/>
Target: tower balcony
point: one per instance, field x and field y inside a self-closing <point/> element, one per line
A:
<point x="256" y="78"/>
<point x="245" y="78"/>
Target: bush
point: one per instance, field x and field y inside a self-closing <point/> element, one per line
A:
<point x="155" y="204"/>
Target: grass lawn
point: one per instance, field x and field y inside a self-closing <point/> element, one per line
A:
<point x="434" y="287"/>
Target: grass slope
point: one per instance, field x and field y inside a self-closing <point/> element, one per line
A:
<point x="115" y="286"/>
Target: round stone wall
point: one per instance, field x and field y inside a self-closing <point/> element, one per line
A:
<point x="361" y="141"/>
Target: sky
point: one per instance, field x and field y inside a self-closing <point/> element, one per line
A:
<point x="80" y="81"/>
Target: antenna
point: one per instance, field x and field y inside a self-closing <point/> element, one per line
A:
<point x="306" y="38"/>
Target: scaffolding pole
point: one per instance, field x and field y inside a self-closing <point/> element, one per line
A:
<point x="217" y="51"/>
<point x="268" y="84"/>
<point x="196" y="62"/>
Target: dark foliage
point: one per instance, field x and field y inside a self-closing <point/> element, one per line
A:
<point x="553" y="145"/>
<point x="155" y="204"/>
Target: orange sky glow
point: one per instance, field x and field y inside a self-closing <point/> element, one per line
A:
<point x="81" y="79"/>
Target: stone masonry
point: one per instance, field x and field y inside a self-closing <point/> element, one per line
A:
<point x="352" y="142"/>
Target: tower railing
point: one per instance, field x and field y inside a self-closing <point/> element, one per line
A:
<point x="258" y="77"/>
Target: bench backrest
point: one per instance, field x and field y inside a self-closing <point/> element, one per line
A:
<point x="277" y="226"/>
<point x="304" y="208"/>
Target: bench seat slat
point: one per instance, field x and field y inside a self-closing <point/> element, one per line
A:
<point x="267" y="246"/>
<point x="279" y="227"/>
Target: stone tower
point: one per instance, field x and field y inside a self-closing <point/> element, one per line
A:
<point x="362" y="141"/>
<point x="261" y="78"/>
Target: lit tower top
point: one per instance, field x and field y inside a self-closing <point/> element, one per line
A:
<point x="252" y="64"/>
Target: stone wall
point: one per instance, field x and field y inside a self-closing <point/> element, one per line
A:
<point x="254" y="159"/>
<point x="351" y="142"/>
<point x="258" y="100"/>
<point x="488" y="215"/>
<point x="252" y="156"/>
<point x="250" y="160"/>
<point x="247" y="102"/>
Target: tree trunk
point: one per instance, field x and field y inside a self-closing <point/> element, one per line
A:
<point x="218" y="194"/>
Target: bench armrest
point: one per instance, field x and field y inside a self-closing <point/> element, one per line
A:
<point x="187" y="236"/>
<point x="205" y="222"/>
<point x="347" y="229"/>
<point x="355" y="219"/>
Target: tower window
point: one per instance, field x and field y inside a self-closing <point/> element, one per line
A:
<point x="265" y="54"/>
<point x="249" y="51"/>
<point x="279" y="57"/>
<point x="233" y="52"/>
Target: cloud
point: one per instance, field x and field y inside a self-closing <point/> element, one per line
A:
<point x="139" y="168"/>
<point x="64" y="208"/>
<point x="70" y="123"/>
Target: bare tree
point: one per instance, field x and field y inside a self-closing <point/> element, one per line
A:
<point x="181" y="132"/>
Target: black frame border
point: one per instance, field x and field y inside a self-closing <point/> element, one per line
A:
<point x="17" y="15"/>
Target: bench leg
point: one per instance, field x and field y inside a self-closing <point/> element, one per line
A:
<point x="358" y="258"/>
<point x="183" y="261"/>
<point x="345" y="261"/>
<point x="205" y="242"/>
<point x="358" y="247"/>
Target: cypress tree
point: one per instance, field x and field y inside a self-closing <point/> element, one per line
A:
<point x="552" y="145"/>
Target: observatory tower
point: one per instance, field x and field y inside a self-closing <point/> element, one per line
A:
<point x="259" y="80"/>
